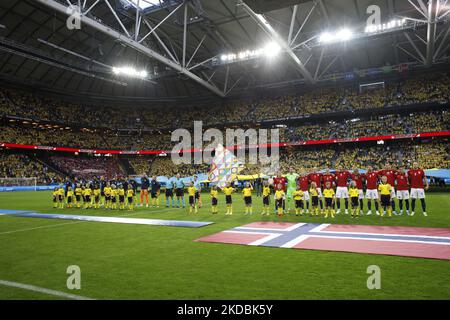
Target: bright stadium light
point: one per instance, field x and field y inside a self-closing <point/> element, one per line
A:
<point x="271" y="49"/>
<point x="339" y="36"/>
<point x="130" y="72"/>
<point x="396" y="23"/>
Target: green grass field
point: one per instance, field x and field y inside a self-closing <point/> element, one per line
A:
<point x="124" y="261"/>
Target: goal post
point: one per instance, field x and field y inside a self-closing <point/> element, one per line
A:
<point x="30" y="182"/>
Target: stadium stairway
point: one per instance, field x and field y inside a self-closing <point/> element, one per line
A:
<point x="46" y="162"/>
<point x="125" y="166"/>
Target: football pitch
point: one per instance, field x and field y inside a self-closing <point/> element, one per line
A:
<point x="126" y="261"/>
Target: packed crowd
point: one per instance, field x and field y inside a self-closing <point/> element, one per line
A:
<point x="133" y="140"/>
<point x="21" y="166"/>
<point x="420" y="89"/>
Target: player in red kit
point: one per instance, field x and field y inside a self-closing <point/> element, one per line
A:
<point x="316" y="177"/>
<point x="359" y="179"/>
<point x="417" y="179"/>
<point x="342" y="177"/>
<point x="303" y="181"/>
<point x="390" y="174"/>
<point x="402" y="186"/>
<point x="372" y="190"/>
<point x="280" y="180"/>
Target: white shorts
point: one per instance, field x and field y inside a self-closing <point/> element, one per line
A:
<point x="372" y="194"/>
<point x="306" y="195"/>
<point x="417" y="193"/>
<point x="319" y="192"/>
<point x="403" y="194"/>
<point x="360" y="194"/>
<point x="393" y="194"/>
<point x="342" y="192"/>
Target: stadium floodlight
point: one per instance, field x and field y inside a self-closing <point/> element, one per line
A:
<point x="271" y="49"/>
<point x="341" y="35"/>
<point x="396" y="23"/>
<point x="130" y="72"/>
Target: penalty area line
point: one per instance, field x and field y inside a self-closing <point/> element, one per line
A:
<point x="51" y="292"/>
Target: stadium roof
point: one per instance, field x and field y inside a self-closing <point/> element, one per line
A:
<point x="224" y="47"/>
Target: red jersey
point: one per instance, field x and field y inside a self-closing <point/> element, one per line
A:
<point x="390" y="175"/>
<point x="402" y="181"/>
<point x="328" y="177"/>
<point x="416" y="177"/>
<point x="358" y="178"/>
<point x="342" y="178"/>
<point x="280" y="180"/>
<point x="372" y="180"/>
<point x="316" y="177"/>
<point x="304" y="183"/>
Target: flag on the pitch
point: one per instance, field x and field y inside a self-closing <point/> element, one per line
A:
<point x="224" y="167"/>
<point x="390" y="240"/>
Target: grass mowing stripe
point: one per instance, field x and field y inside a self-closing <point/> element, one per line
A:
<point x="43" y="290"/>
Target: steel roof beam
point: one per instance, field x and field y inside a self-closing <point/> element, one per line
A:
<point x="132" y="44"/>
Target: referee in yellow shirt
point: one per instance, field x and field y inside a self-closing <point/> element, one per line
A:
<point x="385" y="196"/>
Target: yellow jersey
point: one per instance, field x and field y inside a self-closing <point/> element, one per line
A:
<point x="107" y="191"/>
<point x="214" y="193"/>
<point x="87" y="192"/>
<point x="191" y="191"/>
<point x="96" y="192"/>
<point x="353" y="192"/>
<point x="78" y="191"/>
<point x="55" y="193"/>
<point x="130" y="193"/>
<point x="70" y="193"/>
<point x="247" y="191"/>
<point x="61" y="191"/>
<point x="328" y="193"/>
<point x="279" y="194"/>
<point x="313" y="192"/>
<point x="121" y="192"/>
<point x="113" y="193"/>
<point x="228" y="191"/>
<point x="266" y="191"/>
<point x="385" y="189"/>
<point x="298" y="195"/>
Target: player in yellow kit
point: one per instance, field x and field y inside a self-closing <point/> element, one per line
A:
<point x="266" y="197"/>
<point x="55" y="197"/>
<point x="328" y="194"/>
<point x="130" y="196"/>
<point x="121" y="193"/>
<point x="314" y="194"/>
<point x="385" y="196"/>
<point x="107" y="192"/>
<point x="96" y="196"/>
<point x="214" y="195"/>
<point x="191" y="193"/>
<point x="87" y="193"/>
<point x="228" y="191"/>
<point x="113" y="197"/>
<point x="78" y="195"/>
<point x="353" y="193"/>
<point x="247" y="193"/>
<point x="70" y="197"/>
<point x="298" y="199"/>
<point x="61" y="194"/>
<point x="279" y="196"/>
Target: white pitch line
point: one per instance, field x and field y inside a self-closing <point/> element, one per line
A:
<point x="43" y="290"/>
<point x="63" y="224"/>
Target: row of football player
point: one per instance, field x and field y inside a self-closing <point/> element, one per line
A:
<point x="87" y="197"/>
